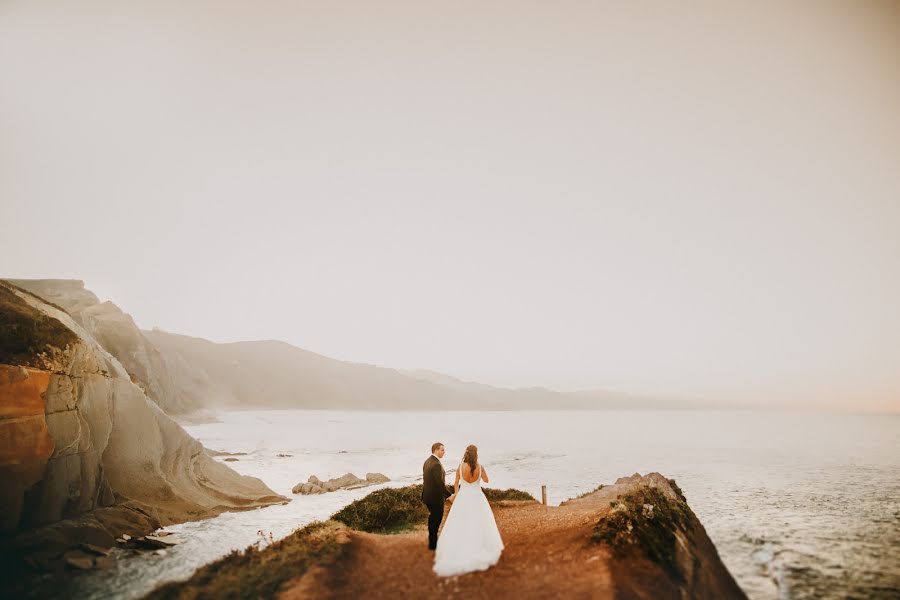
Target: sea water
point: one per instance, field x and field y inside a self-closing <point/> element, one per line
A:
<point x="799" y="505"/>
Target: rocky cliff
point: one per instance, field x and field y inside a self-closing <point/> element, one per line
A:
<point x="77" y="434"/>
<point x="118" y="334"/>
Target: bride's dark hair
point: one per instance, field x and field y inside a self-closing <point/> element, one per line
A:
<point x="471" y="457"/>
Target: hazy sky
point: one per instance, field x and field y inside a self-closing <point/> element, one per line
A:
<point x="692" y="199"/>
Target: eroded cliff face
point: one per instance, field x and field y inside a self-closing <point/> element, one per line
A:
<point x="25" y="442"/>
<point x="118" y="334"/>
<point x="77" y="434"/>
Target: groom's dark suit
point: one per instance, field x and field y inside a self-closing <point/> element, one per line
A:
<point x="434" y="492"/>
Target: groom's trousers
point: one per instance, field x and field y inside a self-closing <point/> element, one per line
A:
<point x="435" y="516"/>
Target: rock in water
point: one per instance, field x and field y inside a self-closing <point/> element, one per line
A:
<point x="344" y="481"/>
<point x="307" y="489"/>
<point x="152" y="542"/>
<point x="376" y="478"/>
<point x="82" y="562"/>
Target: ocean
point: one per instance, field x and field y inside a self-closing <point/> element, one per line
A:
<point x="800" y="505"/>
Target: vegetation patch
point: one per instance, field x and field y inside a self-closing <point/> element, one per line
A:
<point x="26" y="333"/>
<point x="507" y="494"/>
<point x="388" y="510"/>
<point x="589" y="492"/>
<point x="645" y="519"/>
<point x="257" y="572"/>
<point x="677" y="490"/>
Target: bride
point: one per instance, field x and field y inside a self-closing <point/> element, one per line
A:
<point x="470" y="540"/>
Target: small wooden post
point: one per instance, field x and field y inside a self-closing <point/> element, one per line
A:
<point x="544" y="495"/>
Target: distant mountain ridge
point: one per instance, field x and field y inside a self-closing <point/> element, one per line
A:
<point x="183" y="373"/>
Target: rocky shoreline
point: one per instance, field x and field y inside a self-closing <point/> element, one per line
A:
<point x="348" y="481"/>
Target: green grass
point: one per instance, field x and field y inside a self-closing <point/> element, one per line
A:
<point x="26" y="332"/>
<point x="628" y="527"/>
<point x="257" y="573"/>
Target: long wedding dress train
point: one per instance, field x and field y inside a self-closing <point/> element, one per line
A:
<point x="470" y="540"/>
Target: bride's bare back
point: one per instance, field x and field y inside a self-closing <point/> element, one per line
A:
<point x="465" y="471"/>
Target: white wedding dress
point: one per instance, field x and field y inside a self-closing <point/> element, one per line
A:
<point x="470" y="540"/>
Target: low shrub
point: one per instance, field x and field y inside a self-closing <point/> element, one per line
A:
<point x="387" y="510"/>
<point x="507" y="494"/>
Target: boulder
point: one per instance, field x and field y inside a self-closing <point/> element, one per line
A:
<point x="93" y="549"/>
<point x="344" y="481"/>
<point x="152" y="542"/>
<point x="376" y="478"/>
<point x="79" y="560"/>
<point x="307" y="489"/>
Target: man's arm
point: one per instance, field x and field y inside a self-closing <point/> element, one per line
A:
<point x="441" y="481"/>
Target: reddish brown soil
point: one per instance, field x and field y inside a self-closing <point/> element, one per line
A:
<point x="548" y="554"/>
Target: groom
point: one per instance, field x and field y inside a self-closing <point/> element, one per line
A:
<point x="434" y="491"/>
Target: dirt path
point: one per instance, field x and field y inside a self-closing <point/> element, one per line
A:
<point x="547" y="555"/>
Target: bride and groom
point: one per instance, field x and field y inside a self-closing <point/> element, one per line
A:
<point x="470" y="540"/>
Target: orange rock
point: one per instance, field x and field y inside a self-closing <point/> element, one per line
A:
<point x="24" y="437"/>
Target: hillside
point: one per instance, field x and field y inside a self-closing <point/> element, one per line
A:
<point x="277" y="374"/>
